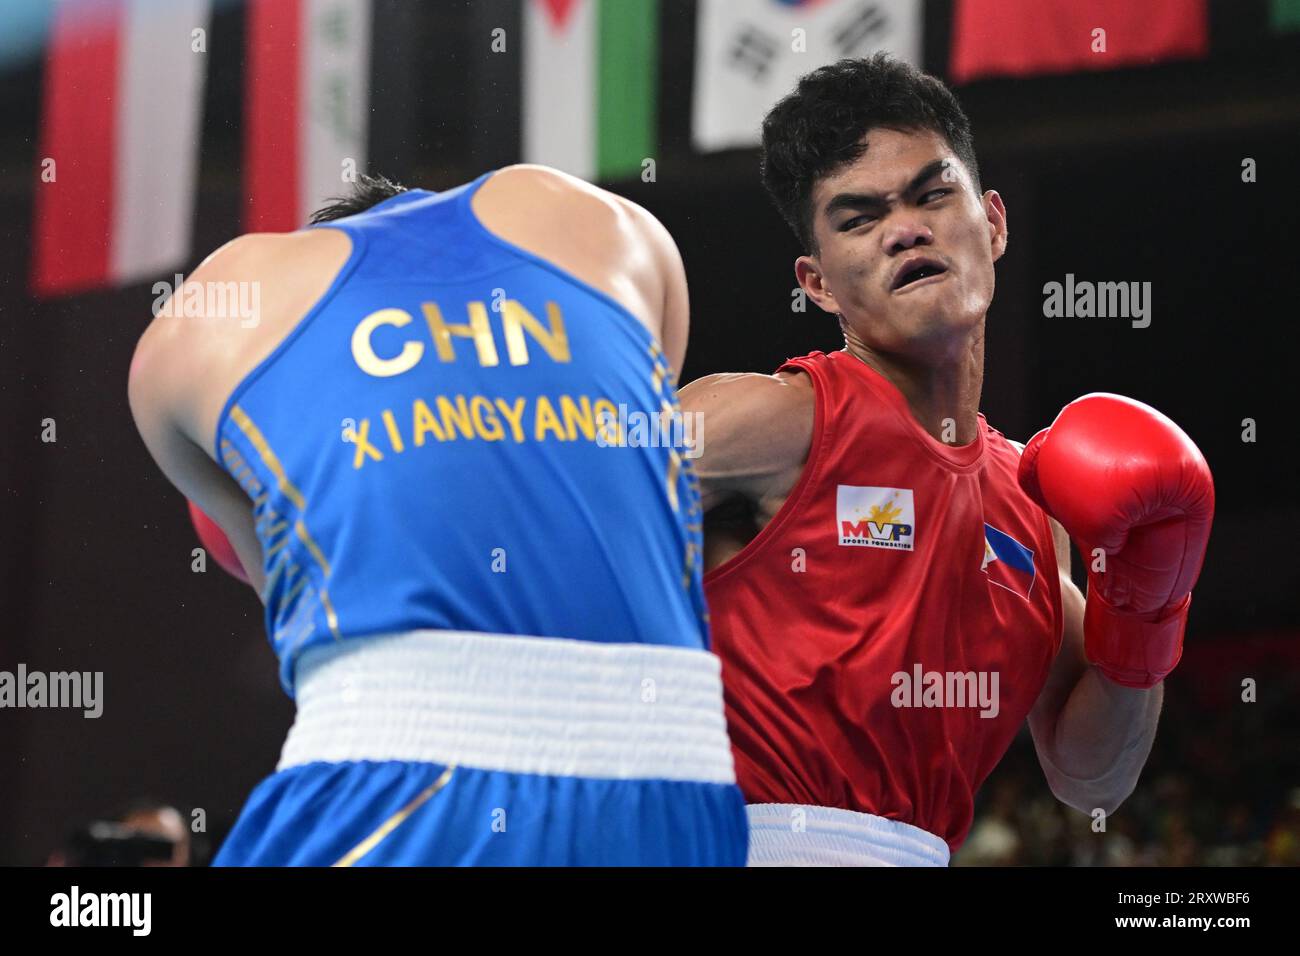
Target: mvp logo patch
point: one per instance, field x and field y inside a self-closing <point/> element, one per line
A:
<point x="875" y="517"/>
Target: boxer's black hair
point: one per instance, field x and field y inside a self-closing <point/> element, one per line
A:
<point x="818" y="128"/>
<point x="367" y="191"/>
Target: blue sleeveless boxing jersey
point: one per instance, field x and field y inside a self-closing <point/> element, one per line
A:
<point x="460" y="435"/>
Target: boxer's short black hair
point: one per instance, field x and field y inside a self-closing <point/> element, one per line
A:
<point x="818" y="128"/>
<point x="367" y="191"/>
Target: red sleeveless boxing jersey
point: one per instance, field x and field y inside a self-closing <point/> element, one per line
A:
<point x="884" y="637"/>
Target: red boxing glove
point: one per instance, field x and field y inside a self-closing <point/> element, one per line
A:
<point x="216" y="543"/>
<point x="1120" y="476"/>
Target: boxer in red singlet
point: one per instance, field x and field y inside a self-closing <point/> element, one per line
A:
<point x="888" y="575"/>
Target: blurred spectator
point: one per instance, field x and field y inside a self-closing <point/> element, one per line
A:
<point x="167" y="823"/>
<point x="146" y="833"/>
<point x="1283" y="843"/>
<point x="1220" y="789"/>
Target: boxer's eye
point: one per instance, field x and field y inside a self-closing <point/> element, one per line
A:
<point x="937" y="193"/>
<point x="855" y="222"/>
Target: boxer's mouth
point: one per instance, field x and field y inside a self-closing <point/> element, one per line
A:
<point x="917" y="270"/>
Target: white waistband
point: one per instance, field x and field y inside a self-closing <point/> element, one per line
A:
<point x="790" y="834"/>
<point x="515" y="704"/>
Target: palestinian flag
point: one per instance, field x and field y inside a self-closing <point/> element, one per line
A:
<point x="588" y="85"/>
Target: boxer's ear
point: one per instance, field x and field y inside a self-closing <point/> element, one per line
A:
<point x="996" y="214"/>
<point x="809" y="273"/>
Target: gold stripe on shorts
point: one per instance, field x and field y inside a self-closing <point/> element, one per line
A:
<point x="396" y="820"/>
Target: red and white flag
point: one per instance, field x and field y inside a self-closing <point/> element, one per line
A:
<point x="119" y="142"/>
<point x="307" y="99"/>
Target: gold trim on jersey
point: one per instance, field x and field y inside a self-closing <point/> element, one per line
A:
<point x="258" y="441"/>
<point x="290" y="491"/>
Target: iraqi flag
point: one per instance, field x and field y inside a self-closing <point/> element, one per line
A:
<point x="590" y="74"/>
<point x="1025" y="37"/>
<point x="119" y="142"/>
<point x="306" y="103"/>
<point x="1007" y="562"/>
<point x="750" y="53"/>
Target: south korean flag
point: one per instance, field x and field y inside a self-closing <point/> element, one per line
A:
<point x="750" y="53"/>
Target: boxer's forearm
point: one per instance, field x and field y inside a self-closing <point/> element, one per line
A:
<point x="1101" y="741"/>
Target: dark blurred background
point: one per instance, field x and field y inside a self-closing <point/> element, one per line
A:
<point x="1128" y="175"/>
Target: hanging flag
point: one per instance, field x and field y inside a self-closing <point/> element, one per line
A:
<point x="1024" y="37"/>
<point x="119" y="142"/>
<point x="589" y="84"/>
<point x="1284" y="16"/>
<point x="306" y="102"/>
<point x="750" y="53"/>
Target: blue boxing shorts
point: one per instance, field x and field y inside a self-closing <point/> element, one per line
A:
<point x="441" y="748"/>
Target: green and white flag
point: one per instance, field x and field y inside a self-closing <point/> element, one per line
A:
<point x="589" y="85"/>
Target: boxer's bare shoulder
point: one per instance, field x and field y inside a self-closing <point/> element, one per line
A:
<point x="228" y="315"/>
<point x="608" y="242"/>
<point x="757" y="432"/>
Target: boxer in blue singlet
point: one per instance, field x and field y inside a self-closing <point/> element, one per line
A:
<point x="484" y="593"/>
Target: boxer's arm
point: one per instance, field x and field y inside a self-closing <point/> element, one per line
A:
<point x="675" y="311"/>
<point x="1092" y="735"/>
<point x="755" y="435"/>
<point x="189" y="468"/>
<point x="167" y="374"/>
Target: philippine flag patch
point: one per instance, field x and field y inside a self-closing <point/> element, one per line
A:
<point x="1007" y="562"/>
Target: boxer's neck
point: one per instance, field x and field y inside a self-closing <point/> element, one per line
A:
<point x="943" y="393"/>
